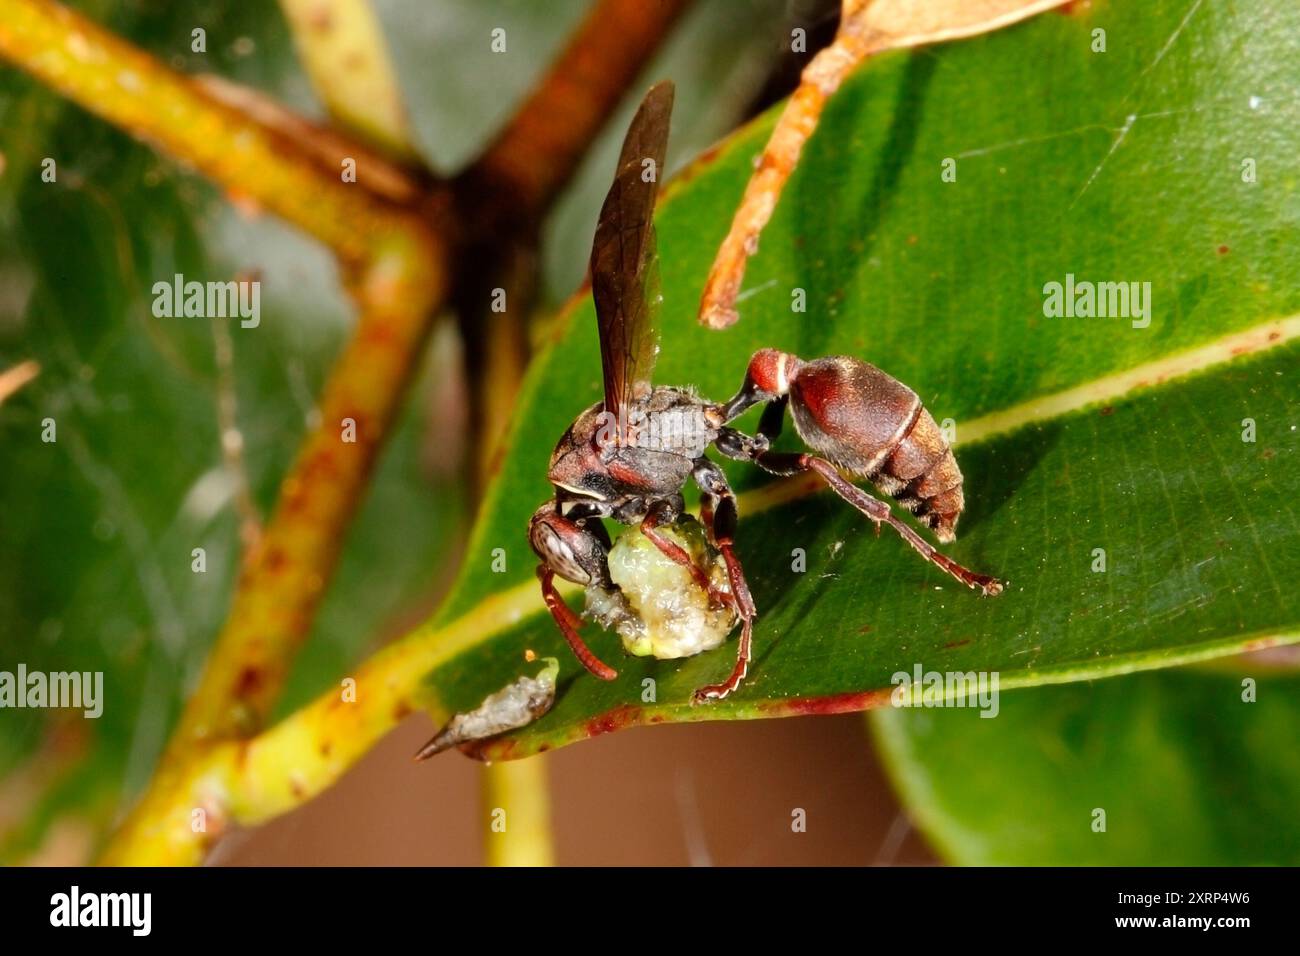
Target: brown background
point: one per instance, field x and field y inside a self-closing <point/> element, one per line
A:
<point x="719" y="793"/>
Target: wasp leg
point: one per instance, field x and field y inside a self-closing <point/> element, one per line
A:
<point x="787" y="463"/>
<point x="569" y="623"/>
<point x="739" y="446"/>
<point x="663" y="512"/>
<point x="718" y="511"/>
<point x="773" y="417"/>
<point x="569" y="549"/>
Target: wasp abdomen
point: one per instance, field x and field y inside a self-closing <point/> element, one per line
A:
<point x="922" y="474"/>
<point x="869" y="423"/>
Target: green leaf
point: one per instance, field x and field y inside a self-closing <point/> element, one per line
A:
<point x="1186" y="771"/>
<point x="1075" y="433"/>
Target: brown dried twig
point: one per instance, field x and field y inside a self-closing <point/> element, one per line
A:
<point x="16" y="376"/>
<point x="866" y="28"/>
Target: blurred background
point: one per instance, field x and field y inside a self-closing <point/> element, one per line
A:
<point x="720" y="794"/>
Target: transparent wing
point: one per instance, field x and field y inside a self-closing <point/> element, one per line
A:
<point x="624" y="261"/>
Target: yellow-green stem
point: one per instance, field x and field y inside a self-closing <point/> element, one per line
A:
<point x="517" y="813"/>
<point x="341" y="45"/>
<point x="254" y="163"/>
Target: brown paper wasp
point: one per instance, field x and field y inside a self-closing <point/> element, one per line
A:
<point x="629" y="457"/>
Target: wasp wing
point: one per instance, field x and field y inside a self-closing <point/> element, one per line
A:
<point x="624" y="261"/>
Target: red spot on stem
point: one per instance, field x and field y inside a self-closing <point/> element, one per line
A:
<point x="625" y="715"/>
<point x="833" y="704"/>
<point x="250" y="679"/>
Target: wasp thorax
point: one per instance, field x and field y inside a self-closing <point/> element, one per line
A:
<point x="672" y="421"/>
<point x="660" y="610"/>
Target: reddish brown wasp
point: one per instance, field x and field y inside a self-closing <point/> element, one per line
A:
<point x="629" y="457"/>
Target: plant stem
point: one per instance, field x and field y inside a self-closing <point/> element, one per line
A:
<point x="398" y="267"/>
<point x="538" y="150"/>
<point x="517" y="809"/>
<point x="341" y="46"/>
<point x="278" y="591"/>
<point x="256" y="164"/>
